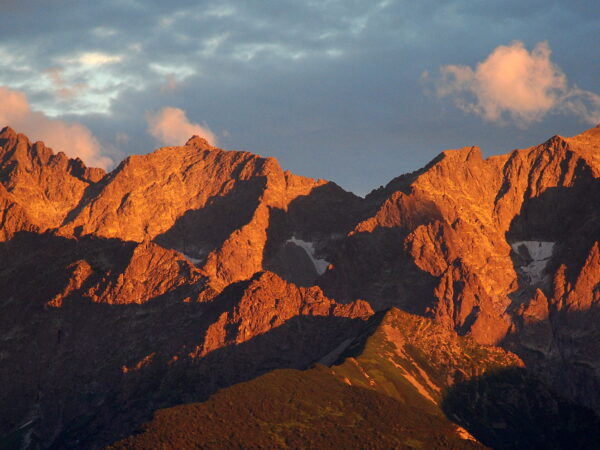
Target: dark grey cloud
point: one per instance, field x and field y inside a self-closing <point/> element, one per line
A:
<point x="331" y="88"/>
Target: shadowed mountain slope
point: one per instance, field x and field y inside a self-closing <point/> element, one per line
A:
<point x="191" y="269"/>
<point x="407" y="380"/>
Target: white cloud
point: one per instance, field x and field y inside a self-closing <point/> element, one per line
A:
<point x="220" y="11"/>
<point x="98" y="58"/>
<point x="60" y="86"/>
<point x="513" y="82"/>
<point x="73" y="139"/>
<point x="247" y="52"/>
<point x="172" y="127"/>
<point x="104" y="32"/>
<point x="583" y="104"/>
<point x="173" y="75"/>
<point x="211" y="44"/>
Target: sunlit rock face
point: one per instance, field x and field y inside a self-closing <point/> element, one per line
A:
<point x="502" y="249"/>
<point x="193" y="268"/>
<point x="456" y="239"/>
<point x="38" y="187"/>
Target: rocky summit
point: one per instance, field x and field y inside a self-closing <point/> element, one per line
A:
<point x="200" y="298"/>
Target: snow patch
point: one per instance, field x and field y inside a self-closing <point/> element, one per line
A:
<point x="539" y="252"/>
<point x="192" y="259"/>
<point x="308" y="247"/>
<point x="198" y="257"/>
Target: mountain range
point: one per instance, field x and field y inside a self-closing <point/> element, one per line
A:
<point x="200" y="298"/>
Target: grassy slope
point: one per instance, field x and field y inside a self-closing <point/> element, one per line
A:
<point x="297" y="409"/>
<point x="365" y="402"/>
<point x="393" y="387"/>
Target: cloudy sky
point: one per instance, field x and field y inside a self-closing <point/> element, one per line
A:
<point x="353" y="91"/>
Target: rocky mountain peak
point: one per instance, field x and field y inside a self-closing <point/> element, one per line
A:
<point x="199" y="142"/>
<point x="587" y="144"/>
<point x="209" y="267"/>
<point x="593" y="133"/>
<point x="7" y="137"/>
<point x="44" y="186"/>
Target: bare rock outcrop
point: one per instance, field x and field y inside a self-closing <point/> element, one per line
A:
<point x="193" y="268"/>
<point x="44" y="186"/>
<point x="445" y="244"/>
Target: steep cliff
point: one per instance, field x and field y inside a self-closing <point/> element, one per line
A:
<point x="192" y="268"/>
<point x="38" y="188"/>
